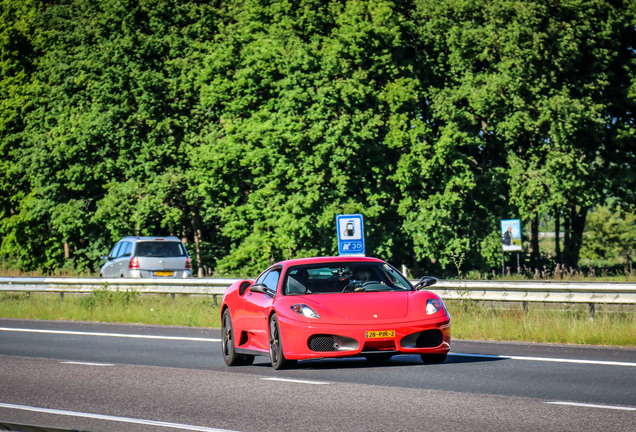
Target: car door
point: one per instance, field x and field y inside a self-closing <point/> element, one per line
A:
<point x="109" y="269"/>
<point x="257" y="307"/>
<point x="123" y="259"/>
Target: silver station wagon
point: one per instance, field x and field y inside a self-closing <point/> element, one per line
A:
<point x="147" y="257"/>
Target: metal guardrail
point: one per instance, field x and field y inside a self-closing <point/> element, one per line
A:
<point x="525" y="291"/>
<point x="203" y="286"/>
<point x="539" y="291"/>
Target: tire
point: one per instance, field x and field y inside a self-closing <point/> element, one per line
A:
<point x="276" y="356"/>
<point x="230" y="356"/>
<point x="433" y="358"/>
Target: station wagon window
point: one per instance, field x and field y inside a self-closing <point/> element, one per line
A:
<point x="124" y="251"/>
<point x="115" y="251"/>
<point x="160" y="249"/>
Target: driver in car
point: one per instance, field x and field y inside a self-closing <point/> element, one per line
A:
<point x="361" y="275"/>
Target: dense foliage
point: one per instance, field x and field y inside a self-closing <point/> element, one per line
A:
<point x="246" y="126"/>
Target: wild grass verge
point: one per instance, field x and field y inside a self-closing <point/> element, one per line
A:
<point x="548" y="323"/>
<point x="569" y="324"/>
<point x="113" y="306"/>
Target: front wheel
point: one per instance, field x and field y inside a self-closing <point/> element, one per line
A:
<point x="276" y="356"/>
<point x="230" y="356"/>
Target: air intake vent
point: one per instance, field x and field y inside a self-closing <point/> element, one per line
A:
<point x="425" y="339"/>
<point x="323" y="343"/>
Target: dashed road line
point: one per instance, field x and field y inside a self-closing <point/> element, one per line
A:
<point x="87" y="363"/>
<point x="118" y="335"/>
<point x="296" y="381"/>
<point x="118" y="419"/>
<point x="588" y="405"/>
<point x="545" y="359"/>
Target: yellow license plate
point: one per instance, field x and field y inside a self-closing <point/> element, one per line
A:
<point x="164" y="273"/>
<point x="379" y="334"/>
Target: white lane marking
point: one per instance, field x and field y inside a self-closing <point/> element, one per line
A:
<point x="119" y="335"/>
<point x="545" y="359"/>
<point x="587" y="405"/>
<point x="296" y="381"/>
<point x="86" y="363"/>
<point x="113" y="418"/>
<point x="487" y="356"/>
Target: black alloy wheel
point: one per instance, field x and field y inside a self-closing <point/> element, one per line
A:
<point x="230" y="356"/>
<point x="276" y="356"/>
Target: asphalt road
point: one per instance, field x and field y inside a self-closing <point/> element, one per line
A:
<point x="105" y="377"/>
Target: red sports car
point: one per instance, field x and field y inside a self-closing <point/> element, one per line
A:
<point x="332" y="307"/>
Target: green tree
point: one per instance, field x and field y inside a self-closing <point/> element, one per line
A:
<point x="298" y="103"/>
<point x="576" y="103"/>
<point x="453" y="170"/>
<point x="610" y="236"/>
<point x="110" y="97"/>
<point x="528" y="111"/>
<point x="17" y="65"/>
<point x="246" y="126"/>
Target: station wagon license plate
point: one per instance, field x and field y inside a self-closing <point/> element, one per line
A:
<point x="379" y="334"/>
<point x="164" y="273"/>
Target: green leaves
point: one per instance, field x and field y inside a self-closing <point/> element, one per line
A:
<point x="610" y="236"/>
<point x="246" y="126"/>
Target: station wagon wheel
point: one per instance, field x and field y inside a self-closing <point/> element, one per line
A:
<point x="230" y="356"/>
<point x="276" y="356"/>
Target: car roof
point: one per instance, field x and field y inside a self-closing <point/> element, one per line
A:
<point x="326" y="260"/>
<point x="153" y="238"/>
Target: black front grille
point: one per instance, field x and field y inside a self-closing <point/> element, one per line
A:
<point x="323" y="343"/>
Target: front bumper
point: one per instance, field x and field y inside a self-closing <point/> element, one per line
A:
<point x="312" y="339"/>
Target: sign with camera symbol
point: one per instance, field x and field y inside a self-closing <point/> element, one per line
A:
<point x="350" y="230"/>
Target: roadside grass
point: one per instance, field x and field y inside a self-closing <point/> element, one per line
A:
<point x="546" y="323"/>
<point x="113" y="306"/>
<point x="566" y="324"/>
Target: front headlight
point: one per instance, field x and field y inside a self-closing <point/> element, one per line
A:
<point x="433" y="306"/>
<point x="305" y="311"/>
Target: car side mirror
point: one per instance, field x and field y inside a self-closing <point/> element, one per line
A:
<point x="105" y="257"/>
<point x="425" y="281"/>
<point x="261" y="288"/>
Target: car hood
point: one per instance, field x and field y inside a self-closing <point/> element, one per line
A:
<point x="362" y="306"/>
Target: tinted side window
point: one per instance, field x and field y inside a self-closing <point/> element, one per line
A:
<point x="124" y="251"/>
<point x="270" y="279"/>
<point x="115" y="251"/>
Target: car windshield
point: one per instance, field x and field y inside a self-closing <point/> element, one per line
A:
<point x="160" y="249"/>
<point x="344" y="277"/>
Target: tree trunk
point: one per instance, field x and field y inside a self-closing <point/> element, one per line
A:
<point x="557" y="235"/>
<point x="197" y="233"/>
<point x="575" y="220"/>
<point x="534" y="238"/>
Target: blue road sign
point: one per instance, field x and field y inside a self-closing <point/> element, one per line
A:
<point x="350" y="230"/>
